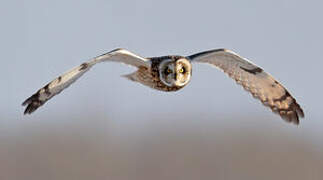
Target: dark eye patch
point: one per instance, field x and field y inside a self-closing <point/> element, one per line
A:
<point x="166" y="72"/>
<point x="184" y="69"/>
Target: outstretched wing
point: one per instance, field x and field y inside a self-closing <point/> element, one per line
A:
<point x="253" y="79"/>
<point x="66" y="79"/>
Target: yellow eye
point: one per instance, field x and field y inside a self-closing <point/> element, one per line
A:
<point x="182" y="70"/>
<point x="169" y="71"/>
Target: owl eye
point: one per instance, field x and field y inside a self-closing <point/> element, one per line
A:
<point x="168" y="71"/>
<point x="182" y="70"/>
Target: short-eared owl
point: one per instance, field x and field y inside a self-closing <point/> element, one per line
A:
<point x="171" y="73"/>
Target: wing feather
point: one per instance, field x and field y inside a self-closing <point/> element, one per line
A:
<point x="253" y="79"/>
<point x="65" y="80"/>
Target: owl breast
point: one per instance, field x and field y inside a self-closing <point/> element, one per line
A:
<point x="167" y="73"/>
<point x="150" y="78"/>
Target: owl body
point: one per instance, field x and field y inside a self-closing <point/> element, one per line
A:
<point x="157" y="75"/>
<point x="171" y="73"/>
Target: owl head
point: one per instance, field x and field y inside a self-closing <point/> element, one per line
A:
<point x="175" y="71"/>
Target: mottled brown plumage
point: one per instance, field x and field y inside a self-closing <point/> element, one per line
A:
<point x="254" y="79"/>
<point x="171" y="73"/>
<point x="151" y="76"/>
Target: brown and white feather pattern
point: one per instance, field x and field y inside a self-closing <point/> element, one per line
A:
<point x="253" y="79"/>
<point x="65" y="80"/>
<point x="54" y="87"/>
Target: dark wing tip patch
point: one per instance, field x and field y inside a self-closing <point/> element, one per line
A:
<point x="292" y="113"/>
<point x="32" y="103"/>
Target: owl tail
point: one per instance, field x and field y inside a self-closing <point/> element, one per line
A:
<point x="131" y="76"/>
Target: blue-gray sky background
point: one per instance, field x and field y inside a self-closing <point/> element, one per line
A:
<point x="42" y="39"/>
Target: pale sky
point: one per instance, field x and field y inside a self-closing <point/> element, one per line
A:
<point x="42" y="39"/>
<point x="106" y="126"/>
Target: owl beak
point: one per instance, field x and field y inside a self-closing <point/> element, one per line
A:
<point x="175" y="77"/>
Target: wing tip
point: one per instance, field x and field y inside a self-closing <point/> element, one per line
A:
<point x="293" y="114"/>
<point x="30" y="109"/>
<point x="32" y="103"/>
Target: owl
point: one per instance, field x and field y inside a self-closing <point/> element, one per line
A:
<point x="171" y="73"/>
